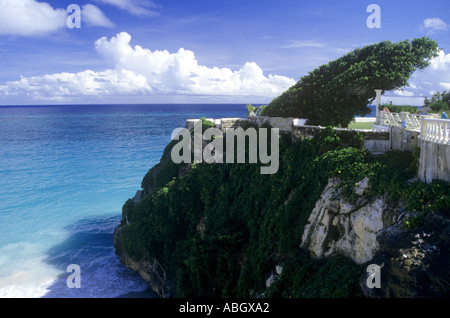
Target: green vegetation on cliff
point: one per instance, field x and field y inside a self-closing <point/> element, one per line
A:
<point x="221" y="229"/>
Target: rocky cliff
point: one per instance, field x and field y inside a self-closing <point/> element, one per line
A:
<point x="413" y="263"/>
<point x="368" y="231"/>
<point x="229" y="231"/>
<point x="350" y="229"/>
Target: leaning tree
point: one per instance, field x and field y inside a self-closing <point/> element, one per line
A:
<point x="334" y="93"/>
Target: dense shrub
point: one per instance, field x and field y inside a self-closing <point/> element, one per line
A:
<point x="166" y="170"/>
<point x="438" y="107"/>
<point x="334" y="93"/>
<point x="440" y="101"/>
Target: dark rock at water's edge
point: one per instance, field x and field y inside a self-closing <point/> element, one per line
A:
<point x="414" y="264"/>
<point x="151" y="272"/>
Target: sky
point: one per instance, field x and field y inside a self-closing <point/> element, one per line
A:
<point x="200" y="51"/>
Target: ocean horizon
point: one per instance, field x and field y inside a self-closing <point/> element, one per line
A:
<point x="65" y="172"/>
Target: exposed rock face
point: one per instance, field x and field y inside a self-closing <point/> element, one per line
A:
<point x="350" y="229"/>
<point x="274" y="276"/>
<point x="413" y="263"/>
<point x="151" y="272"/>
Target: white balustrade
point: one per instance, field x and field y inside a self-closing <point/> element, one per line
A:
<point x="436" y="130"/>
<point x="412" y="121"/>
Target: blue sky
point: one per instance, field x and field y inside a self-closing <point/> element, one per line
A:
<point x="169" y="51"/>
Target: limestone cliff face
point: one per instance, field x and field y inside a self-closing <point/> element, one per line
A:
<point x="413" y="263"/>
<point x="336" y="226"/>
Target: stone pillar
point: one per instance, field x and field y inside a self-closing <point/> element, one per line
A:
<point x="377" y="102"/>
<point x="404" y="118"/>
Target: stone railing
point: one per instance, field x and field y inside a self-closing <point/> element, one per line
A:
<point x="412" y="121"/>
<point x="435" y="130"/>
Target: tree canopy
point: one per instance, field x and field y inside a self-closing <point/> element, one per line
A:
<point x="334" y="93"/>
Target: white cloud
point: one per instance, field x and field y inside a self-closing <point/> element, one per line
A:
<point x="302" y="44"/>
<point x="30" y="18"/>
<point x="92" y="15"/>
<point x="432" y="25"/>
<point x="445" y="85"/>
<point x="135" y="7"/>
<point x="434" y="78"/>
<point x="61" y="86"/>
<point x="33" y="18"/>
<point x="139" y="71"/>
<point x="401" y="92"/>
<point x="180" y="72"/>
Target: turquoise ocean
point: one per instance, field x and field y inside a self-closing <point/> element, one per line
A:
<point x="65" y="172"/>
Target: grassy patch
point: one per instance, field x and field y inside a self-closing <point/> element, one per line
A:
<point x="360" y="125"/>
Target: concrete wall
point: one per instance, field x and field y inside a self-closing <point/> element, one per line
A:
<point x="283" y="123"/>
<point x="232" y="123"/>
<point x="222" y="123"/>
<point x="376" y="142"/>
<point x="306" y="131"/>
<point x="404" y="139"/>
<point x="434" y="162"/>
<point x="377" y="146"/>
